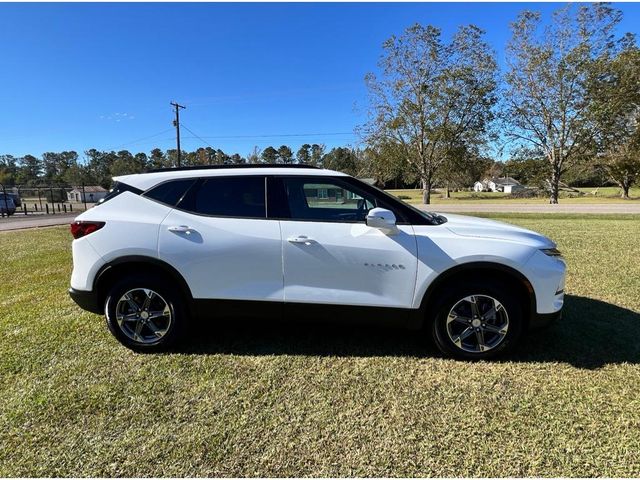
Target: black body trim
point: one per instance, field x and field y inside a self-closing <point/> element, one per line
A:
<point x="135" y="259"/>
<point x="442" y="278"/>
<point x="542" y="320"/>
<point x="86" y="300"/>
<point x="346" y="314"/>
<point x="412" y="318"/>
<point x="302" y="312"/>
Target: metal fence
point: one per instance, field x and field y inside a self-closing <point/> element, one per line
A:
<point x="40" y="200"/>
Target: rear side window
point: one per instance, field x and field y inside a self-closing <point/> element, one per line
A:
<point x="240" y="197"/>
<point x="171" y="192"/>
<point x="117" y="189"/>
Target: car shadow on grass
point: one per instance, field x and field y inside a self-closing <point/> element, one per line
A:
<point x="591" y="334"/>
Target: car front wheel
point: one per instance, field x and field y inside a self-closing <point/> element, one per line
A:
<point x="477" y="321"/>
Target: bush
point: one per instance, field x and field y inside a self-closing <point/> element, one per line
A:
<point x="59" y="195"/>
<point x="528" y="193"/>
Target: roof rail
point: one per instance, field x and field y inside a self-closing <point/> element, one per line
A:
<point x="242" y="165"/>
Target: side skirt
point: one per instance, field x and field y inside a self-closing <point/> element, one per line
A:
<point x="306" y="313"/>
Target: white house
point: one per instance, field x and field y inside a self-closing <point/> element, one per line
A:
<point x="495" y="184"/>
<point x="479" y="187"/>
<point x="92" y="194"/>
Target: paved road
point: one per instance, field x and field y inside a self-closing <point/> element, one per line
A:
<point x="34" y="221"/>
<point x="481" y="207"/>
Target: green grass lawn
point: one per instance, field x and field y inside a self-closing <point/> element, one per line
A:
<point x="603" y="195"/>
<point x="298" y="401"/>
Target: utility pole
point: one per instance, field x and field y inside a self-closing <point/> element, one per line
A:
<point x="176" y="123"/>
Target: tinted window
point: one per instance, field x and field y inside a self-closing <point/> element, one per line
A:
<point x="170" y="192"/>
<point x="117" y="189"/>
<point x="229" y="197"/>
<point x="326" y="199"/>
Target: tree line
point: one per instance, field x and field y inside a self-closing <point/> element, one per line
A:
<point x="565" y="109"/>
<point x="568" y="102"/>
<point x="98" y="167"/>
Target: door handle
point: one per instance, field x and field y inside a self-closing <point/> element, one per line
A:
<point x="301" y="239"/>
<point x="180" y="229"/>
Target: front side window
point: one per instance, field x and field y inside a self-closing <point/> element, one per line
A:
<point x="326" y="199"/>
<point x="240" y="197"/>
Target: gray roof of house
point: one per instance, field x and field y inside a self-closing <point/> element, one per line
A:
<point x="505" y="181"/>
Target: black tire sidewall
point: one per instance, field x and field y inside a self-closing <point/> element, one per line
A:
<point x="495" y="289"/>
<point x="174" y="300"/>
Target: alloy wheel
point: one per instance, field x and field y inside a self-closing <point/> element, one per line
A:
<point x="143" y="315"/>
<point x="477" y="323"/>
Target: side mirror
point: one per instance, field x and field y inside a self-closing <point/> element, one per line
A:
<point x="381" y="218"/>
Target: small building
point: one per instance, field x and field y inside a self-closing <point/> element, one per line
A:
<point x="497" y="184"/>
<point x="318" y="194"/>
<point x="92" y="194"/>
<point x="480" y="187"/>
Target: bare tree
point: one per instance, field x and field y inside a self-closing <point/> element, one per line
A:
<point x="432" y="96"/>
<point x="546" y="99"/>
<point x="254" y="156"/>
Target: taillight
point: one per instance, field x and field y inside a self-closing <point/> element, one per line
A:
<point x="80" y="229"/>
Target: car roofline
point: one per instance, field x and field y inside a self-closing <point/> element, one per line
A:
<point x="222" y="167"/>
<point x="146" y="180"/>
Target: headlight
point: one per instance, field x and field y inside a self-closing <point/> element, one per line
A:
<point x="552" y="252"/>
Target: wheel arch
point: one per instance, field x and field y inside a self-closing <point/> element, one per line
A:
<point x="479" y="270"/>
<point x="137" y="264"/>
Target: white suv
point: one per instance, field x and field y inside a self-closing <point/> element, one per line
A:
<point x="296" y="242"/>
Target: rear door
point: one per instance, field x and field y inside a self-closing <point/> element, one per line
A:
<point x="220" y="240"/>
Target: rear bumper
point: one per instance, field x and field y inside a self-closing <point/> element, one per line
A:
<point x="541" y="320"/>
<point x="87" y="300"/>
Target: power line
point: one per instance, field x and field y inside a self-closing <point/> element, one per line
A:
<point x="278" y="135"/>
<point x="140" y="139"/>
<point x="195" y="135"/>
<point x="222" y="137"/>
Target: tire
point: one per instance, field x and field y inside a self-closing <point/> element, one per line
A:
<point x="458" y="333"/>
<point x="152" y="329"/>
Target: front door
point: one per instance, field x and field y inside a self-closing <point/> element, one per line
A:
<point x="331" y="256"/>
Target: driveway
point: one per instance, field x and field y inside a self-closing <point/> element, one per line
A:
<point x="482" y="207"/>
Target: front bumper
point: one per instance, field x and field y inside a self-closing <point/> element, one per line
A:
<point x="541" y="320"/>
<point x="87" y="300"/>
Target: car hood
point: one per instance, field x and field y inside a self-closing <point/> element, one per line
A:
<point x="483" y="228"/>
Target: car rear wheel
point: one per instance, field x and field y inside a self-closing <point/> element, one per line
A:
<point x="477" y="321"/>
<point x="145" y="314"/>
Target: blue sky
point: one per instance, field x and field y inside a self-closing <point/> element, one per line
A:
<point x="80" y="76"/>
